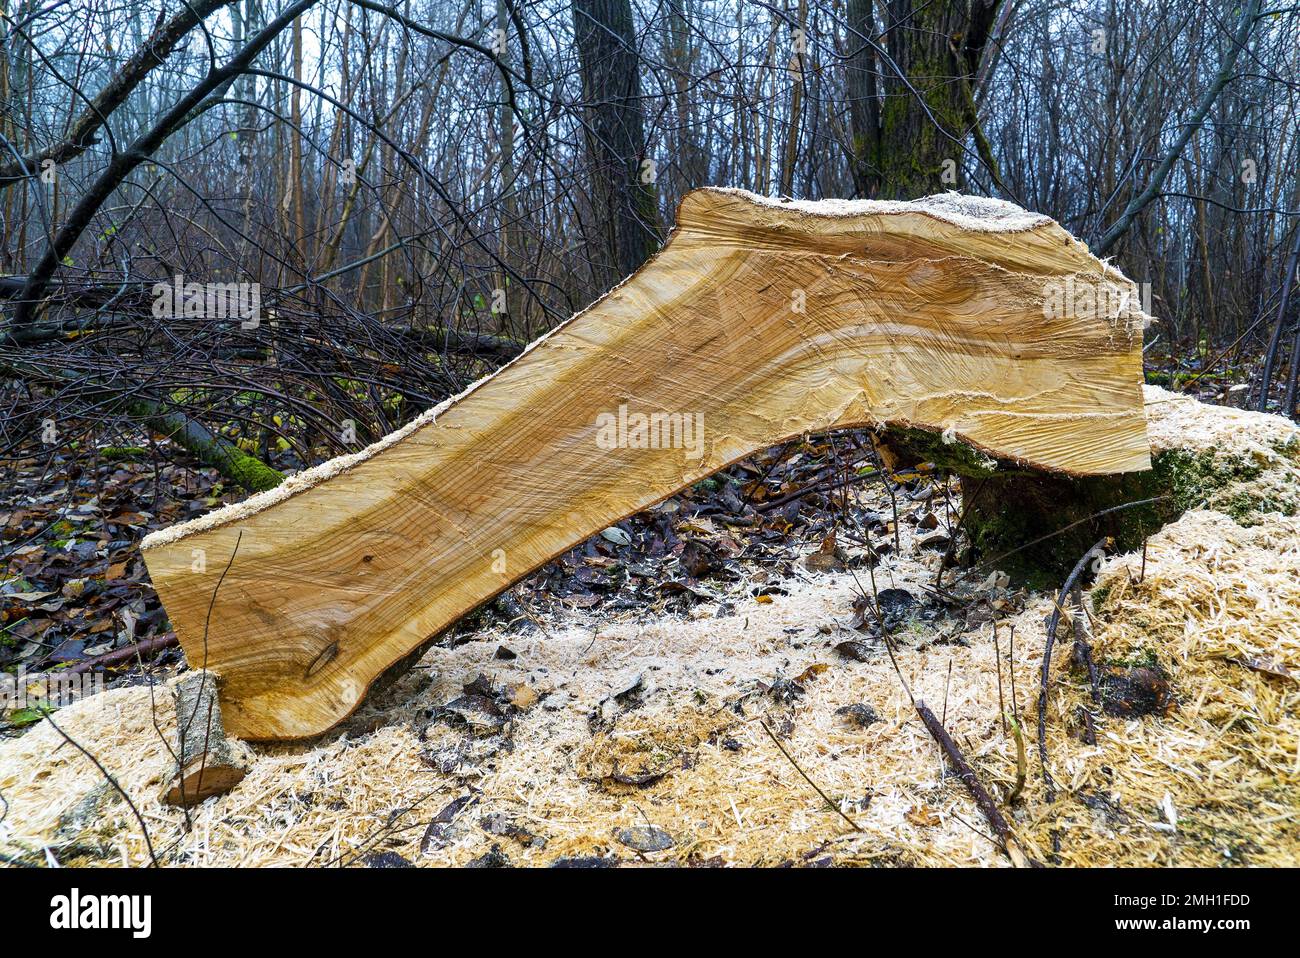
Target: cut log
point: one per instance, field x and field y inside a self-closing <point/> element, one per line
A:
<point x="208" y="763"/>
<point x="758" y="321"/>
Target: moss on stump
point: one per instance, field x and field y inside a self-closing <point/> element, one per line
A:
<point x="1035" y="525"/>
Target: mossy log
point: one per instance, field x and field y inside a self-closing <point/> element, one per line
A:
<point x="211" y="449"/>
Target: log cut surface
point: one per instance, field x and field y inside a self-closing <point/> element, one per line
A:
<point x="758" y="321"/>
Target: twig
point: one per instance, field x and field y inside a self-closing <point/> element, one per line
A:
<point x="893" y="500"/>
<point x="1011" y="667"/>
<point x="183" y="727"/>
<point x="828" y="484"/>
<point x="982" y="798"/>
<point x="967" y="504"/>
<point x="997" y="655"/>
<point x="839" y="811"/>
<point x="874" y="606"/>
<point x="1089" y="730"/>
<point x="1052" y="625"/>
<point x="1022" y="762"/>
<point x="1082" y="648"/>
<point x="946" y="684"/>
<point x="125" y="654"/>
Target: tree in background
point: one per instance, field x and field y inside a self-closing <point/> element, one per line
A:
<point x="621" y="175"/>
<point x="910" y="144"/>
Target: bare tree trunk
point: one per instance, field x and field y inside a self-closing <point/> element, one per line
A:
<point x="928" y="111"/>
<point x="509" y="236"/>
<point x="295" y="154"/>
<point x="622" y="184"/>
<point x="1270" y="356"/>
<point x="864" y="108"/>
<point x="798" y="67"/>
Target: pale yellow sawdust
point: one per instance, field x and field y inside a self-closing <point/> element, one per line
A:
<point x="1226" y="755"/>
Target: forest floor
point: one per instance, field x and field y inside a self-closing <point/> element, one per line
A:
<point x="702" y="685"/>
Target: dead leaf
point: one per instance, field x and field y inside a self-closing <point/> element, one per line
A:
<point x="823" y="562"/>
<point x="923" y="815"/>
<point x="811" y="672"/>
<point x="1268" y="667"/>
<point x="522" y="695"/>
<point x="29" y="596"/>
<point x="617" y="536"/>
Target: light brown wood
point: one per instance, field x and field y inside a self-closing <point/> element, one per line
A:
<point x="758" y="320"/>
<point x="208" y="763"/>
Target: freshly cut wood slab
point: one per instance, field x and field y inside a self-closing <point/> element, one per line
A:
<point x="758" y="321"/>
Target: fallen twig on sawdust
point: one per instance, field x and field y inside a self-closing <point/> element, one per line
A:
<point x="978" y="792"/>
<point x="1097" y="550"/>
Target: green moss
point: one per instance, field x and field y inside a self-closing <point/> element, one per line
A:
<point x="212" y="450"/>
<point x="1142" y="658"/>
<point x="922" y="129"/>
<point x="123" y="454"/>
<point x="921" y="445"/>
<point x="1014" y="509"/>
<point x="1193" y="478"/>
<point x="249" y="472"/>
<point x="1245" y="507"/>
<point x="1099" y="597"/>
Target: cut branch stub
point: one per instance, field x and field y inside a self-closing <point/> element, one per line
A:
<point x="208" y="763"/>
<point x="758" y="321"/>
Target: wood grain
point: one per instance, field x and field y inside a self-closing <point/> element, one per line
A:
<point x="762" y="320"/>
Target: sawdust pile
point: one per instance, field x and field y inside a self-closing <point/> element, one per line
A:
<point x="654" y="741"/>
<point x="1235" y="461"/>
<point x="1212" y="779"/>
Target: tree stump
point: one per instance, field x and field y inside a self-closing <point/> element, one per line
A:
<point x="1034" y="525"/>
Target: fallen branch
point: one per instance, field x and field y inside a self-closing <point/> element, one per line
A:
<point x="982" y="798"/>
<point x="188" y="433"/>
<point x="821" y="485"/>
<point x="447" y="339"/>
<point x="126" y="654"/>
<point x="208" y="447"/>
